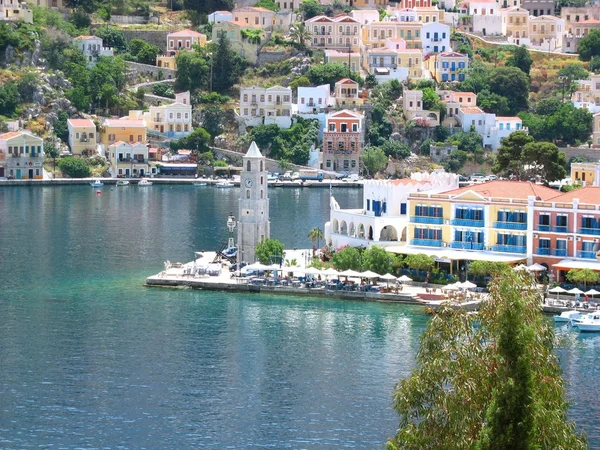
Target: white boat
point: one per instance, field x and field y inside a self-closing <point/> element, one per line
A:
<point x="199" y="183"/>
<point x="122" y="183"/>
<point x="96" y="183"/>
<point x="589" y="323"/>
<point x="145" y="182"/>
<point x="224" y="184"/>
<point x="568" y="316"/>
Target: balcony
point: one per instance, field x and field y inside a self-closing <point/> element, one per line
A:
<point x="562" y="252"/>
<point x="426" y="242"/>
<point x="545" y="251"/>
<point x="543" y="228"/>
<point x="349" y="33"/>
<point x="427" y="219"/>
<point x="436" y="39"/>
<point x="592" y="231"/>
<point x="467" y="222"/>
<point x="509" y="249"/>
<point x="586" y="254"/>
<point x="466" y="245"/>
<point x="511" y="225"/>
<point x="561" y="229"/>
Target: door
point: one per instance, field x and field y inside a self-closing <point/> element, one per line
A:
<point x="2" y="172"/>
<point x="31" y="174"/>
<point x="402" y="208"/>
<point x="18" y="174"/>
<point x="126" y="172"/>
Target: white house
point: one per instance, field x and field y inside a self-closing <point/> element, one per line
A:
<point x="394" y="61"/>
<point x="365" y="16"/>
<point x="92" y="48"/>
<point x="266" y="106"/>
<point x="491" y="128"/>
<point x="435" y="37"/>
<point x="313" y="99"/>
<point x="129" y="159"/>
<point x="220" y="16"/>
<point x="384" y="215"/>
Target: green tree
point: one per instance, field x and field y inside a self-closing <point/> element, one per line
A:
<point x="300" y="34"/>
<point x="315" y="234"/>
<point x="548" y="106"/>
<point x="197" y="140"/>
<point x="311" y="8"/>
<point x="208" y="6"/>
<point x="584" y="276"/>
<point x="347" y="258"/>
<point x="74" y="167"/>
<point x="386" y="93"/>
<point x="419" y="262"/>
<point x="51" y="151"/>
<point x="493" y="103"/>
<point x="377" y="259"/>
<point x="112" y="37"/>
<point x="193" y="70"/>
<point x="589" y="45"/>
<point x="594" y="65"/>
<point x="544" y="160"/>
<point x="456" y="160"/>
<point x="490" y="381"/>
<point x="488" y="268"/>
<point x="60" y="126"/>
<point x="396" y="149"/>
<point x="373" y="160"/>
<point x="143" y="52"/>
<point x="521" y="59"/>
<point x="227" y="66"/>
<point x="269" y="251"/>
<point x="574" y="71"/>
<point x="268" y="4"/>
<point x="510" y="155"/>
<point x="469" y="141"/>
<point x="80" y="18"/>
<point x="511" y="83"/>
<point x="212" y="118"/>
<point x="9" y="98"/>
<point x="329" y="74"/>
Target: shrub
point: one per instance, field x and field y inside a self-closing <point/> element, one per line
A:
<point x="74" y="167"/>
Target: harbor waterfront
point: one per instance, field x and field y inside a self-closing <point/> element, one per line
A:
<point x="92" y="358"/>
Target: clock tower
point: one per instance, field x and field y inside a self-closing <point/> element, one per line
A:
<point x="253" y="224"/>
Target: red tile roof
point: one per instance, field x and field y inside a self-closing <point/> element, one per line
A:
<point x="81" y="123"/>
<point x="587" y="194"/>
<point x="10" y="135"/>
<point x="186" y="32"/>
<point x="471" y="110"/>
<point x="508" y="189"/>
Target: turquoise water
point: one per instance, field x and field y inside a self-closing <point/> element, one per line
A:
<point x="92" y="359"/>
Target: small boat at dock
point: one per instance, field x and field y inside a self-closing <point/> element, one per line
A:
<point x="122" y="183"/>
<point x="144" y="182"/>
<point x="224" y="184"/>
<point x="589" y="323"/>
<point x="199" y="183"/>
<point x="96" y="183"/>
<point x="568" y="316"/>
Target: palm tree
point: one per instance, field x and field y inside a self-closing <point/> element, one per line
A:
<point x="315" y="234"/>
<point x="300" y="33"/>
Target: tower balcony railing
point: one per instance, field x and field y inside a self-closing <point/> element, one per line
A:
<point x="427" y="219"/>
<point x="560" y="252"/>
<point x="544" y="251"/>
<point x="544" y="228"/>
<point x="561" y="229"/>
<point x="427" y="242"/>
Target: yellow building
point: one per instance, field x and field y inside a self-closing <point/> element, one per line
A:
<point x="427" y="14"/>
<point x="239" y="43"/>
<point x="346" y="93"/>
<point x="126" y="129"/>
<point x="82" y="136"/>
<point x="168" y="62"/>
<point x="255" y="16"/>
<point x="335" y="57"/>
<point x="515" y="24"/>
<point x="447" y="66"/>
<point x="587" y="173"/>
<point x="375" y="34"/>
<point x="394" y="61"/>
<point x="337" y="33"/>
<point x="546" y="32"/>
<point x="128" y="159"/>
<point x="21" y="156"/>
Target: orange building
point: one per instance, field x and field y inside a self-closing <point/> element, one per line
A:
<point x="343" y="139"/>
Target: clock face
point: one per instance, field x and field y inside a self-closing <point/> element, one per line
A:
<point x="248" y="182"/>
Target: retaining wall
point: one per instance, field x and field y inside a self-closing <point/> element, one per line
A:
<point x="151" y="71"/>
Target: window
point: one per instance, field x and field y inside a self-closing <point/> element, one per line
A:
<point x="247" y="193"/>
<point x="328" y="164"/>
<point x="332" y="127"/>
<point x="354" y="127"/>
<point x="561" y="221"/>
<point x="248" y="167"/>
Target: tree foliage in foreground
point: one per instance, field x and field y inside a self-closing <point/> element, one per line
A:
<point x="74" y="167"/>
<point x="269" y="251"/>
<point x="487" y="381"/>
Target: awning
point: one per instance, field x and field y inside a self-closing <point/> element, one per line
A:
<point x="381" y="71"/>
<point x="456" y="255"/>
<point x="568" y="264"/>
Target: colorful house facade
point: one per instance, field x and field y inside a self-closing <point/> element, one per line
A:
<point x="21" y="156"/>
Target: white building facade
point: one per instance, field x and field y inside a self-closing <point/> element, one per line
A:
<point x="265" y="106"/>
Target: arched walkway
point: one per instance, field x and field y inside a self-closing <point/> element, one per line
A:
<point x="388" y="233"/>
<point x="352" y="232"/>
<point x="343" y="227"/>
<point x="361" y="231"/>
<point x="335" y="226"/>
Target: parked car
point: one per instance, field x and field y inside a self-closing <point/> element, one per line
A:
<point x="353" y="177"/>
<point x="491" y="178"/>
<point x="477" y="177"/>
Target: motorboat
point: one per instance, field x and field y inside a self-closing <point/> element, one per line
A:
<point x="230" y="252"/>
<point x="589" y="323"/>
<point x="145" y="182"/>
<point x="275" y="183"/>
<point x="199" y="183"/>
<point x="96" y="183"/>
<point x="122" y="183"/>
<point x="568" y="316"/>
<point x="224" y="184"/>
